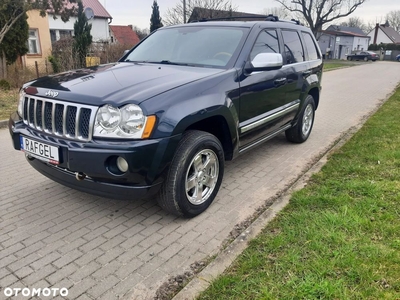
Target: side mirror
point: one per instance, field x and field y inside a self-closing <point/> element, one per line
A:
<point x="265" y="62"/>
<point x="125" y="52"/>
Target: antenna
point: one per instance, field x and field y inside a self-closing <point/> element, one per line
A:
<point x="89" y="13"/>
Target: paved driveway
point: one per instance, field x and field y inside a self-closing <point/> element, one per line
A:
<point x="55" y="237"/>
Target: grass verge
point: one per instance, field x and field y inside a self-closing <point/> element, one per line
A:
<point x="339" y="237"/>
<point x="335" y="64"/>
<point x="8" y="103"/>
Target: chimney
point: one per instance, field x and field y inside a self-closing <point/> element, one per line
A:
<point x="130" y="26"/>
<point x="376" y="33"/>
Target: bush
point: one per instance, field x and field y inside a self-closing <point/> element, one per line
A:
<point x="375" y="47"/>
<point x="5" y="85"/>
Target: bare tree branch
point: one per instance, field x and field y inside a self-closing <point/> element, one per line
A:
<point x="174" y="15"/>
<point x="317" y="13"/>
<point x="393" y="18"/>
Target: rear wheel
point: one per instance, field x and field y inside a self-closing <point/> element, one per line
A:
<point x="195" y="175"/>
<point x="350" y="58"/>
<point x="302" y="130"/>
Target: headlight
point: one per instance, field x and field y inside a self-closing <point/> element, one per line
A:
<point x="21" y="103"/>
<point x="125" y="122"/>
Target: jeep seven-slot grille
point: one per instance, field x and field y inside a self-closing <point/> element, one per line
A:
<point x="65" y="119"/>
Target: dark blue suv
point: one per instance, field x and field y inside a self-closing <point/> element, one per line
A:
<point x="162" y="121"/>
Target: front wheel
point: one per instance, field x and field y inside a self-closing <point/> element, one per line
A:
<point x="301" y="131"/>
<point x="195" y="175"/>
<point x="365" y="58"/>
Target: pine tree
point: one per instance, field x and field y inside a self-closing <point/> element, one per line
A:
<point x="83" y="38"/>
<point x="155" y="20"/>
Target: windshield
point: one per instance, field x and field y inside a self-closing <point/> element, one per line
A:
<point x="194" y="46"/>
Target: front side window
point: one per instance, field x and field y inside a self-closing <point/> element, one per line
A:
<point x="267" y="42"/>
<point x="195" y="46"/>
<point x="293" y="48"/>
<point x="33" y="42"/>
<point x="312" y="50"/>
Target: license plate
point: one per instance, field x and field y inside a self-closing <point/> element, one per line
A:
<point x="40" y="150"/>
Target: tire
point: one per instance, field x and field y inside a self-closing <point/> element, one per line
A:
<point x="365" y="58"/>
<point x="350" y="58"/>
<point x="197" y="166"/>
<point x="302" y="130"/>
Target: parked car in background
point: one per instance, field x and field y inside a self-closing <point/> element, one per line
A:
<point x="363" y="55"/>
<point x="398" y="58"/>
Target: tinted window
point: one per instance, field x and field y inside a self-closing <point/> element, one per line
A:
<point x="293" y="48"/>
<point x="312" y="51"/>
<point x="267" y="42"/>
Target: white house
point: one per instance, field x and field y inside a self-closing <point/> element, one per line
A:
<point x="383" y="33"/>
<point x="98" y="17"/>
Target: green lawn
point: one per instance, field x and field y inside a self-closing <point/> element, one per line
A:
<point x="339" y="238"/>
<point x="335" y="64"/>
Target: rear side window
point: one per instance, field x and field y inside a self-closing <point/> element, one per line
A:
<point x="267" y="42"/>
<point x="312" y="51"/>
<point x="293" y="48"/>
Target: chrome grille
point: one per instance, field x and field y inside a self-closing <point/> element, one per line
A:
<point x="63" y="119"/>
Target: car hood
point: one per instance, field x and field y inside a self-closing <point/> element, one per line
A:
<point x="117" y="83"/>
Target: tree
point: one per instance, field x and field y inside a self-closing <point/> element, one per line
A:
<point x="176" y="14"/>
<point x="12" y="10"/>
<point x="82" y="39"/>
<point x="355" y="22"/>
<point x="14" y="41"/>
<point x="155" y="20"/>
<point x="317" y="13"/>
<point x="141" y="33"/>
<point x="280" y="12"/>
<point x="393" y="18"/>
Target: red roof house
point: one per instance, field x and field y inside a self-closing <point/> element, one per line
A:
<point x="123" y="35"/>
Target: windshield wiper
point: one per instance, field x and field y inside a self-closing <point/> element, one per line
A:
<point x="168" y="62"/>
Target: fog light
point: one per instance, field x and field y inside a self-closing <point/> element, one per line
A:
<point x="122" y="164"/>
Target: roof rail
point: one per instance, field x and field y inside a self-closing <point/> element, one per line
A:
<point x="267" y="18"/>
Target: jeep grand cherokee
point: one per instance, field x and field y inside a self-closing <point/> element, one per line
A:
<point x="163" y="120"/>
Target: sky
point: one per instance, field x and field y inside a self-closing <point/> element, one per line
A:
<point x="138" y="12"/>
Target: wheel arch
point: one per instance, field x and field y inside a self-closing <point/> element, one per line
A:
<point x="314" y="92"/>
<point x="217" y="126"/>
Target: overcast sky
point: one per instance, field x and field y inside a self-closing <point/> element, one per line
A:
<point x="138" y="12"/>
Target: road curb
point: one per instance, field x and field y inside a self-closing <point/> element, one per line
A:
<point x="3" y="123"/>
<point x="226" y="257"/>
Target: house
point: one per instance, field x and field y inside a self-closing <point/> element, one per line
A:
<point x="383" y="33"/>
<point x="97" y="16"/>
<point x="199" y="13"/>
<point x="338" y="41"/>
<point x="123" y="35"/>
<point x="39" y="42"/>
<point x="43" y="31"/>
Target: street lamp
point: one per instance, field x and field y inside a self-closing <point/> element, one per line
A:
<point x="184" y="11"/>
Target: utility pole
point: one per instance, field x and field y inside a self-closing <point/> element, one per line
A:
<point x="184" y="11"/>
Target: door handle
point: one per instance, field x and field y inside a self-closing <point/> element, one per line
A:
<point x="306" y="73"/>
<point x="280" y="81"/>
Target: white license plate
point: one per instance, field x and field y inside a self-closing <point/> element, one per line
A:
<point x="40" y="150"/>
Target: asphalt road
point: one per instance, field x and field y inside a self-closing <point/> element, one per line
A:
<point x="55" y="237"/>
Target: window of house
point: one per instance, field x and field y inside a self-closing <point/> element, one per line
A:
<point x="267" y="42"/>
<point x="65" y="34"/>
<point x="311" y="47"/>
<point x="33" y="42"/>
<point x="53" y="35"/>
<point x="293" y="48"/>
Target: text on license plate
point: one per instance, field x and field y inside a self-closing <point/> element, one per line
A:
<point x="40" y="150"/>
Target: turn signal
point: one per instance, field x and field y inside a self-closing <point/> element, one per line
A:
<point x="148" y="129"/>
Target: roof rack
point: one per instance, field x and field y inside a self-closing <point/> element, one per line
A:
<point x="267" y="18"/>
<point x="270" y="17"/>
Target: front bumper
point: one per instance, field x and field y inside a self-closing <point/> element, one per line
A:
<point x="148" y="162"/>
